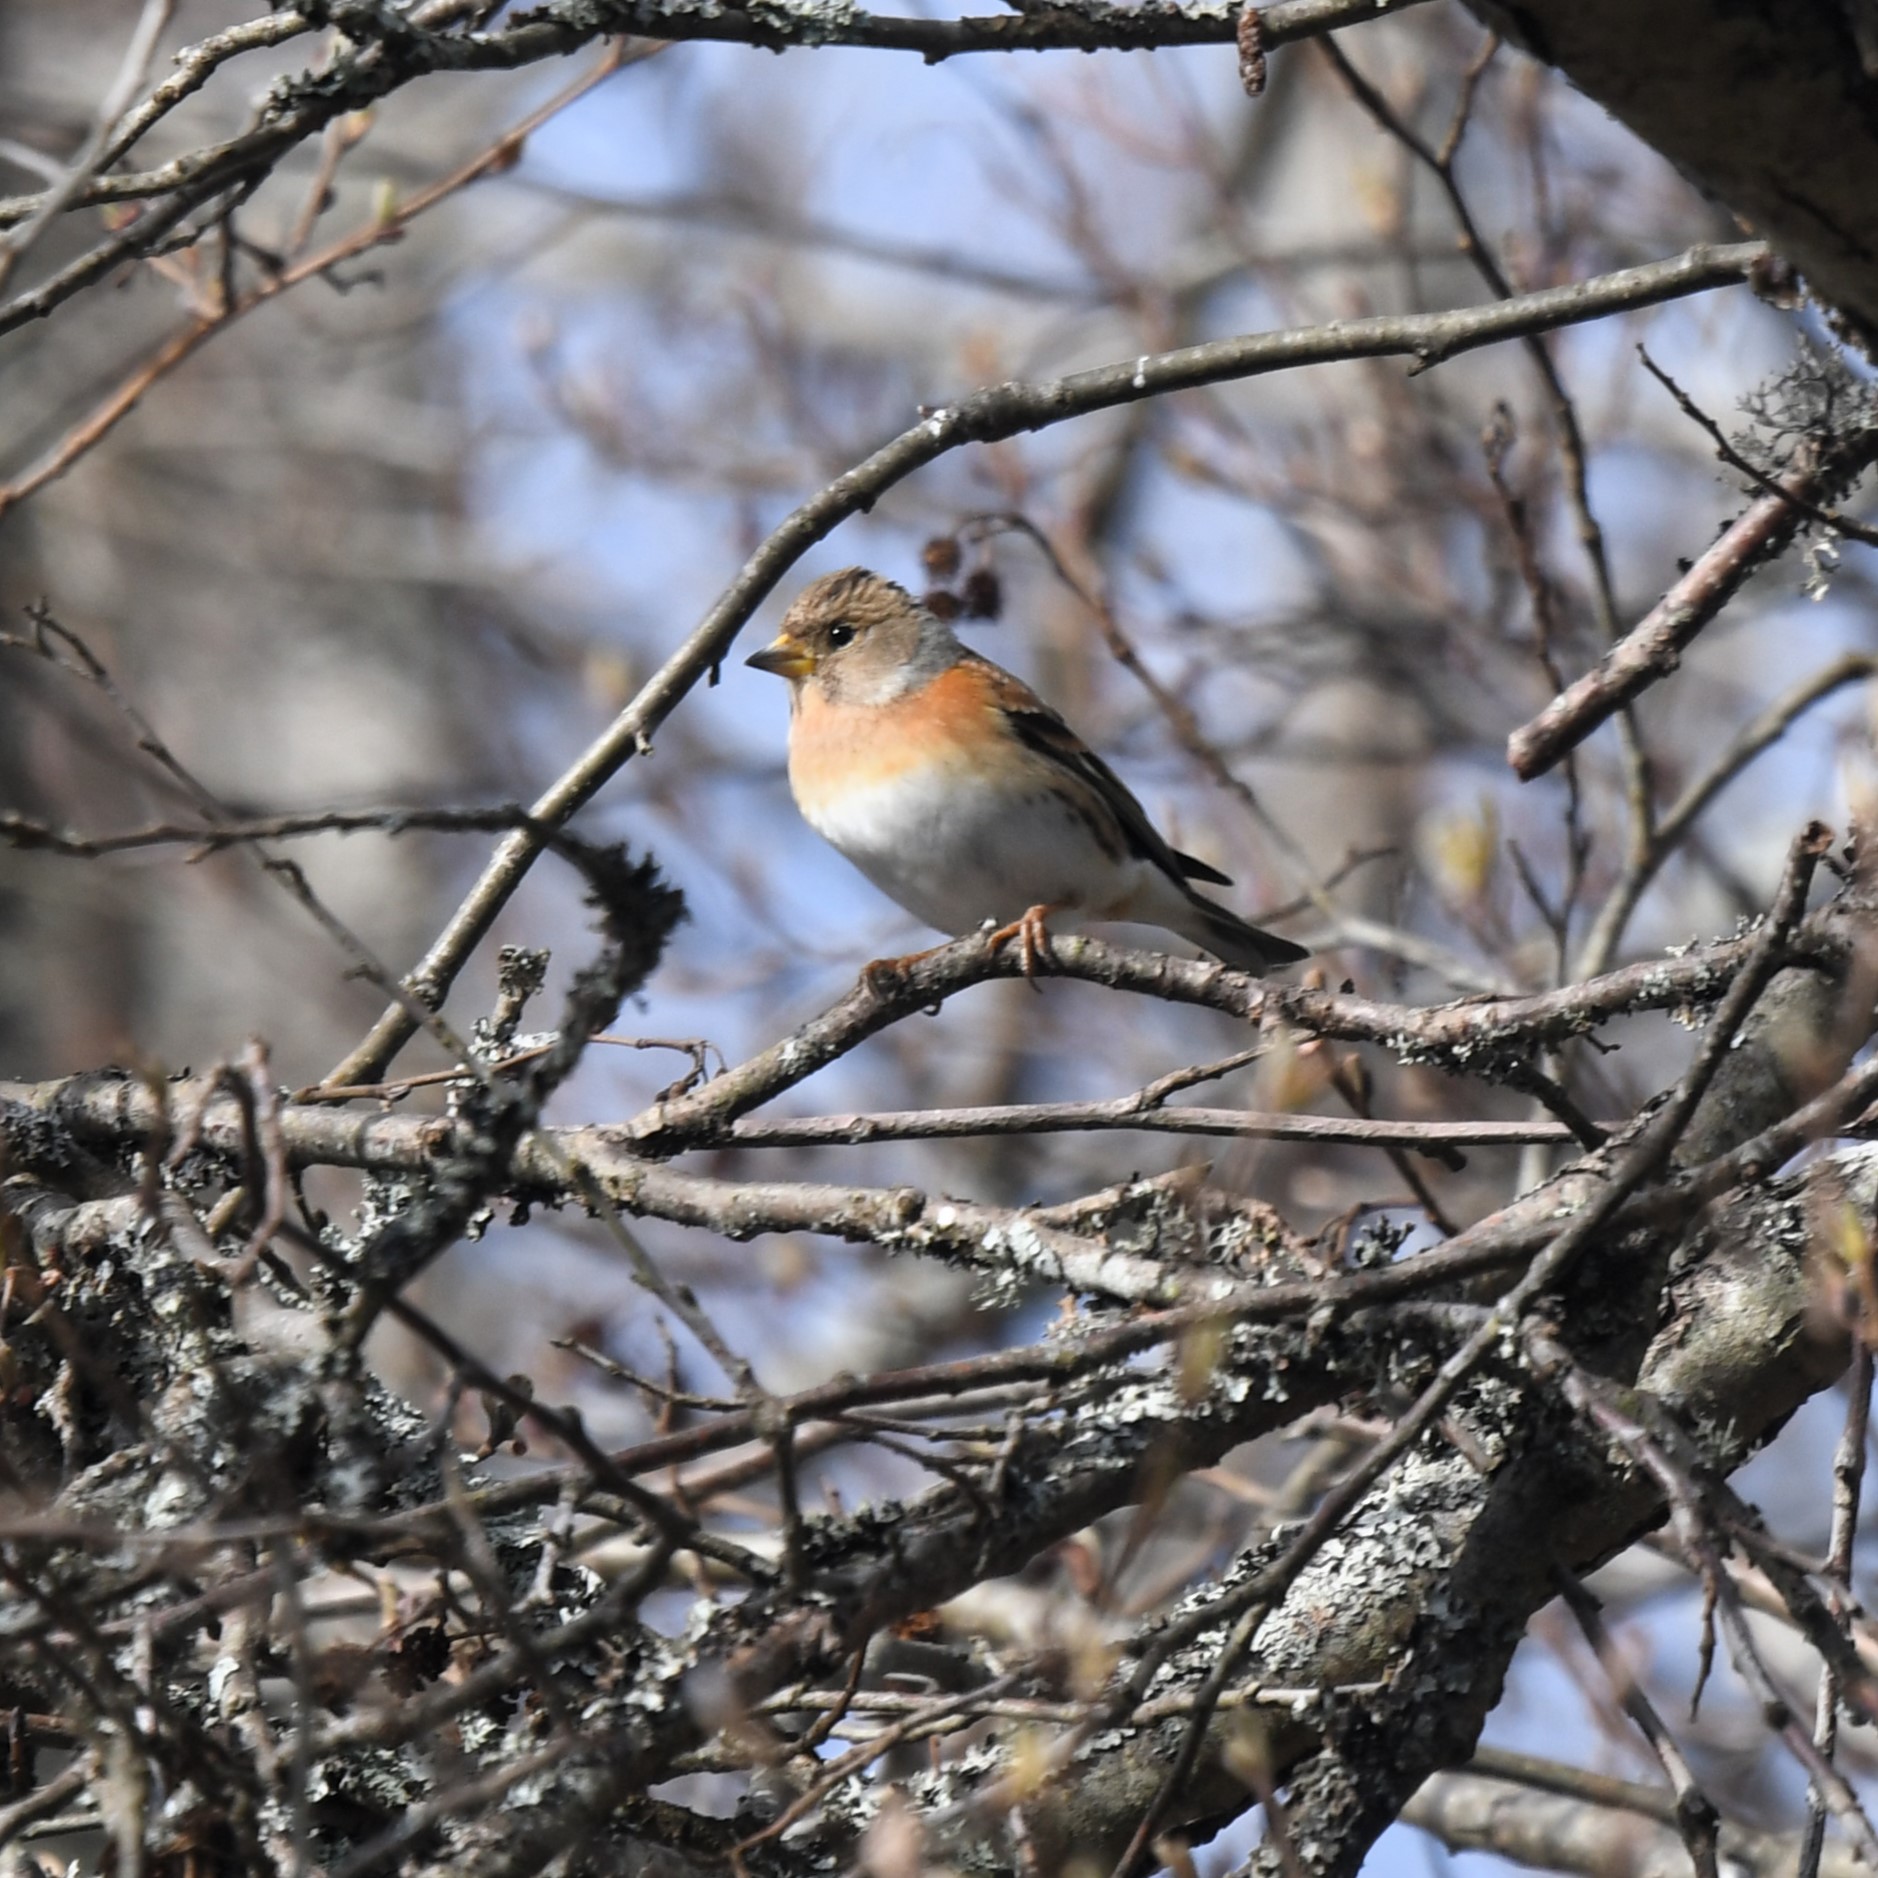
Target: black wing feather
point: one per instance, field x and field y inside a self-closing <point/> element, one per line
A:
<point x="1043" y="731"/>
<point x="1198" y="870"/>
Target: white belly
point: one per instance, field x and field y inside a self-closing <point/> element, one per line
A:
<point x="955" y="853"/>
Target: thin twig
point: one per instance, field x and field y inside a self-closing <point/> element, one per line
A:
<point x="1653" y="648"/>
<point x="381" y="228"/>
<point x="1848" y="1475"/>
<point x="1125" y="1113"/>
<point x="304" y="105"/>
<point x="1832" y="519"/>
<point x="1695" y="1815"/>
<point x="84" y="164"/>
<point x="1601" y="1405"/>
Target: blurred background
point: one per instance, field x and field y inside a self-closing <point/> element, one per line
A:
<point x="412" y="533"/>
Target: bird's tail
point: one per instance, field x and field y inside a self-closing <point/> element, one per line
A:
<point x="1233" y="942"/>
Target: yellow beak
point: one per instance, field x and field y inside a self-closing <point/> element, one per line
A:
<point x="783" y="656"/>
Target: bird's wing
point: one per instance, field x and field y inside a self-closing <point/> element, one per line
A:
<point x="1041" y="731"/>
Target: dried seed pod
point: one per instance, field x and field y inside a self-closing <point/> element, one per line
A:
<point x="983" y="594"/>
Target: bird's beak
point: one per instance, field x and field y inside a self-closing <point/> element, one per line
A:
<point x="783" y="656"/>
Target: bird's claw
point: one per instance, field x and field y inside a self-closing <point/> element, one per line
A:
<point x="881" y="977"/>
<point x="1032" y="935"/>
<point x="886" y="978"/>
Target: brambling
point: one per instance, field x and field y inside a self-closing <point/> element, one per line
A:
<point x="959" y="793"/>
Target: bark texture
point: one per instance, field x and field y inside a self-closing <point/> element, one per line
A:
<point x="1770" y="106"/>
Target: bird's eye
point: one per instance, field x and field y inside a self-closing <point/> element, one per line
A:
<point x="841" y="634"/>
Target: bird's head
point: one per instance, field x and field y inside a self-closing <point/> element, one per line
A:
<point x="857" y="636"/>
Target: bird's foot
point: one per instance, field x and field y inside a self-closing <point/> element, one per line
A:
<point x="1033" y="935"/>
<point x="885" y="978"/>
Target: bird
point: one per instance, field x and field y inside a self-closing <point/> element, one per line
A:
<point x="962" y="796"/>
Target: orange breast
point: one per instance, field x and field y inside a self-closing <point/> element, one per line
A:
<point x="837" y="747"/>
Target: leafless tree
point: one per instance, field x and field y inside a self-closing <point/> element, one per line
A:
<point x="433" y="1440"/>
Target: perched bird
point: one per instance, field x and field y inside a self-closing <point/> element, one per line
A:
<point x="959" y="793"/>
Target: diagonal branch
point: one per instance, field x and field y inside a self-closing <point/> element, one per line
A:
<point x="1653" y="648"/>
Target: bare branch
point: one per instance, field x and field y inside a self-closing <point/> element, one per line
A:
<point x="1653" y="648"/>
